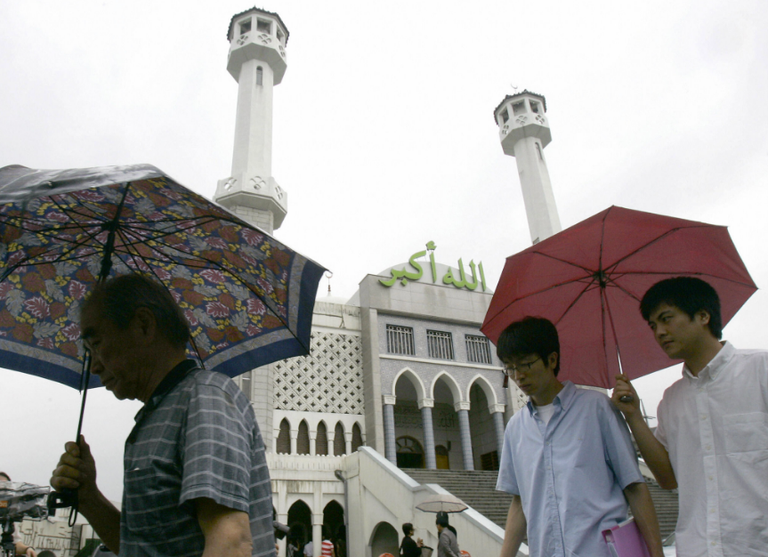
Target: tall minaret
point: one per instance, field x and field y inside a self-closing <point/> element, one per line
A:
<point x="257" y="62"/>
<point x="524" y="133"/>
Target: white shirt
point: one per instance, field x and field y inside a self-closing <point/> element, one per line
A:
<point x="546" y="412"/>
<point x="715" y="428"/>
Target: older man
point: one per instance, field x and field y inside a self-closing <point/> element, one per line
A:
<point x="195" y="474"/>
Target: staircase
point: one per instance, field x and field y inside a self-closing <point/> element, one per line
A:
<point x="478" y="490"/>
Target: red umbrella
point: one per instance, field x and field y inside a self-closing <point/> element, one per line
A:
<point x="589" y="280"/>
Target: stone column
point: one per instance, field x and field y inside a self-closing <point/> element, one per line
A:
<point x="294" y="438"/>
<point x="282" y="512"/>
<point x="317" y="534"/>
<point x="312" y="442"/>
<point x="497" y="411"/>
<point x="390" y="446"/>
<point x="462" y="409"/>
<point x="348" y="442"/>
<point x="426" y="405"/>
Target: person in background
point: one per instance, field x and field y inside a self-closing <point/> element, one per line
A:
<point x="410" y="547"/>
<point x="711" y="442"/>
<point x="447" y="546"/>
<point x="341" y="542"/>
<point x="292" y="547"/>
<point x="567" y="457"/>
<point x="309" y="549"/>
<point x="21" y="549"/>
<point x="327" y="549"/>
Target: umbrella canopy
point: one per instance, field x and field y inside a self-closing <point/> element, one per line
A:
<point x="589" y="280"/>
<point x="442" y="502"/>
<point x="248" y="298"/>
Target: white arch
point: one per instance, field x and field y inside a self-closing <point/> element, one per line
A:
<point x="452" y="385"/>
<point x="421" y="392"/>
<point x="485" y="385"/>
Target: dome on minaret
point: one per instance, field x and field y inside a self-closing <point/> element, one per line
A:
<point x="255" y="10"/>
<point x="518" y="95"/>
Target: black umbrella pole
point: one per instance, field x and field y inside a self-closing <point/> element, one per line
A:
<point x="68" y="497"/>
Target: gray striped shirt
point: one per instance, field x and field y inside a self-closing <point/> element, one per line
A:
<point x="196" y="437"/>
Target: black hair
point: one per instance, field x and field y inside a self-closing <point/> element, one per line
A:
<point x="5" y="476"/>
<point x="690" y="295"/>
<point x="441" y="519"/>
<point x="530" y="335"/>
<point x="119" y="298"/>
<point x="407" y="527"/>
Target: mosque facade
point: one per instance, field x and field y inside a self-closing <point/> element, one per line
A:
<point x="398" y="377"/>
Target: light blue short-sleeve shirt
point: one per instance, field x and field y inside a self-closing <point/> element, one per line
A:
<point x="570" y="473"/>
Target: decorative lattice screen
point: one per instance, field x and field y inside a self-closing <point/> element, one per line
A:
<point x="329" y="380"/>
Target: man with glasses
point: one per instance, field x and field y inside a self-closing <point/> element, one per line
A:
<point x="567" y="457"/>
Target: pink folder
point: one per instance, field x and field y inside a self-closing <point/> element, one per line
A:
<point x="625" y="540"/>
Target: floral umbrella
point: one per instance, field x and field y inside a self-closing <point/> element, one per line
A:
<point x="247" y="297"/>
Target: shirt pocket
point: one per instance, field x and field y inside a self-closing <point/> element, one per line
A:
<point x="745" y="432"/>
<point x="141" y="516"/>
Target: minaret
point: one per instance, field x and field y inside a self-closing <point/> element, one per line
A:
<point x="256" y="60"/>
<point x="524" y="132"/>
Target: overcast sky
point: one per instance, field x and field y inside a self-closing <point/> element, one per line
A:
<point x="384" y="136"/>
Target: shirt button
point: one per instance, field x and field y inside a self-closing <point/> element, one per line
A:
<point x="711" y="478"/>
<point x="709" y="447"/>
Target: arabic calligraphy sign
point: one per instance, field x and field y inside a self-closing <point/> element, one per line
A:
<point x="450" y="277"/>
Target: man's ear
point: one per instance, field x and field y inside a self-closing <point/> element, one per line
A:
<point x="552" y="359"/>
<point x="145" y="321"/>
<point x="704" y="316"/>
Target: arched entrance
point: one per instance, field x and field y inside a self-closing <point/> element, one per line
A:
<point x="333" y="521"/>
<point x="442" y="458"/>
<point x="384" y="539"/>
<point x="484" y="443"/>
<point x="300" y="522"/>
<point x="446" y="423"/>
<point x="410" y="453"/>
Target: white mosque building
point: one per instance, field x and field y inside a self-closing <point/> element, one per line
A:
<point x="399" y="377"/>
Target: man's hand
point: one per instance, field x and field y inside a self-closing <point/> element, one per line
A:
<point x="624" y="388"/>
<point x="25" y="550"/>
<point x="76" y="470"/>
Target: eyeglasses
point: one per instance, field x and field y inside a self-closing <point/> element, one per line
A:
<point x="523" y="368"/>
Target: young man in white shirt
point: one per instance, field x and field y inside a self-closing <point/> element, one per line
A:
<point x="711" y="441"/>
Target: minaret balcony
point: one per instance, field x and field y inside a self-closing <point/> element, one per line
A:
<point x="257" y="46"/>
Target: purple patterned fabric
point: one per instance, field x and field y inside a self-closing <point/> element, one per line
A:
<point x="247" y="297"/>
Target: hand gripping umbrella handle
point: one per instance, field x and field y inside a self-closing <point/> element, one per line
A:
<point x="67" y="497"/>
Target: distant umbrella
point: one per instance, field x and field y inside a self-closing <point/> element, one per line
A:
<point x="442" y="502"/>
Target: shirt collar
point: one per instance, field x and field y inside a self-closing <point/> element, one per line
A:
<point x="173" y="378"/>
<point x="562" y="399"/>
<point x="714" y="367"/>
